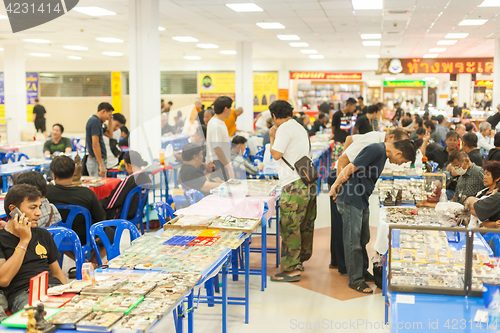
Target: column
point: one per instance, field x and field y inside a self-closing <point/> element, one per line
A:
<point x="244" y="85"/>
<point x="464" y="89"/>
<point x="496" y="75"/>
<point x="145" y="131"/>
<point x="15" y="90"/>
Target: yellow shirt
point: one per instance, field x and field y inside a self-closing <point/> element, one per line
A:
<point x="231" y="123"/>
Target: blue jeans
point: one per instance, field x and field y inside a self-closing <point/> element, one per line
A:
<point x="356" y="232"/>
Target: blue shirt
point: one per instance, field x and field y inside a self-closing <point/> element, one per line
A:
<point x="370" y="163"/>
<point x="94" y="127"/>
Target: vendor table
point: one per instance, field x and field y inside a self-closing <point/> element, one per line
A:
<point x="7" y="170"/>
<point x="176" y="140"/>
<point x="32" y="149"/>
<point x="105" y="190"/>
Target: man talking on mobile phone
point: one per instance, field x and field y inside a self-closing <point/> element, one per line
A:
<point x="25" y="250"/>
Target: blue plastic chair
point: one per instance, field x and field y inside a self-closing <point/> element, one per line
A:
<point x="493" y="238"/>
<point x="193" y="196"/>
<point x="74" y="211"/>
<point x="247" y="152"/>
<point x="15" y="157"/>
<point x="164" y="210"/>
<point x="239" y="173"/>
<point x="60" y="234"/>
<point x="142" y="192"/>
<point x="112" y="249"/>
<point x="260" y="154"/>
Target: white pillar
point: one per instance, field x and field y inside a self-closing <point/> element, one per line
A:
<point x="496" y="75"/>
<point x="244" y="85"/>
<point x="15" y="90"/>
<point x="464" y="89"/>
<point x="145" y="78"/>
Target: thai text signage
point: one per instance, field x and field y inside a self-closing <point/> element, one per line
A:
<point x="484" y="83"/>
<point x="435" y="66"/>
<point x="404" y="83"/>
<point x="325" y="76"/>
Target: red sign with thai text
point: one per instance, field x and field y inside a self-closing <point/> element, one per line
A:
<point x="435" y="66"/>
<point x="325" y="76"/>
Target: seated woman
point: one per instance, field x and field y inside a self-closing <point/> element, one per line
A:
<point x="485" y="206"/>
<point x="113" y="204"/>
<point x="238" y="146"/>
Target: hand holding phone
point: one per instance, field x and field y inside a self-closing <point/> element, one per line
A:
<point x="15" y="212"/>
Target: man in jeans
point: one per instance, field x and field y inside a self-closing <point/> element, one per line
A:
<point x="352" y="189"/>
<point x="96" y="161"/>
<point x="290" y="142"/>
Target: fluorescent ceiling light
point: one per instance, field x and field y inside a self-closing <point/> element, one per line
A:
<point x="228" y="52"/>
<point x="112" y="54"/>
<point x="367" y="4"/>
<point x="109" y="40"/>
<point x="76" y="47"/>
<point x="271" y="25"/>
<point x="207" y="46"/>
<point x="299" y="44"/>
<point x="456" y="35"/>
<point x="316" y="56"/>
<point x="490" y="3"/>
<point x="192" y="58"/>
<point x="309" y="51"/>
<point x="431" y="55"/>
<point x="437" y="50"/>
<point x="288" y="37"/>
<point x="371" y="43"/>
<point x="473" y="22"/>
<point x="244" y="7"/>
<point x="373" y="56"/>
<point x="43" y="55"/>
<point x="94" y="11"/>
<point x="74" y="57"/>
<point x="161" y="29"/>
<point x="371" y="36"/>
<point x="446" y="42"/>
<point x="37" y="41"/>
<point x="185" y="39"/>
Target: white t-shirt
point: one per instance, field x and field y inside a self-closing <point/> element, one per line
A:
<point x="291" y="140"/>
<point x="111" y="160"/>
<point x="261" y="123"/>
<point x="360" y="141"/>
<point x="217" y="136"/>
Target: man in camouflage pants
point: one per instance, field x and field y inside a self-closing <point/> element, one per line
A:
<point x="290" y="142"/>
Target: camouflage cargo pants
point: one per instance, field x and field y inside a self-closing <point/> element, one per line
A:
<point x="298" y="213"/>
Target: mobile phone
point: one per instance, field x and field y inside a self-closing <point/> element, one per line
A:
<point x="14" y="212"/>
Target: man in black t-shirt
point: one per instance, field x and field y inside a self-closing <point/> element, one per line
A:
<point x="319" y="124"/>
<point x="364" y="123"/>
<point x="398" y="112"/>
<point x="495" y="118"/>
<point x="192" y="174"/>
<point x="436" y="153"/>
<point x="361" y="108"/>
<point x="325" y="107"/>
<point x="469" y="145"/>
<point x="39" y="113"/>
<point x="342" y="121"/>
<point x="25" y="250"/>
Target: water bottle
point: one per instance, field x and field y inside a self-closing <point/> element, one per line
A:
<point x="494" y="313"/>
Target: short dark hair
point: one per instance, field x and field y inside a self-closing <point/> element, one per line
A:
<point x="459" y="155"/>
<point x="124" y="129"/>
<point x="361" y="98"/>
<point x="496" y="141"/>
<point x="470" y="140"/>
<point x="399" y="134"/>
<point x="18" y="193"/>
<point x="119" y="118"/>
<point x="419" y="121"/>
<point x="170" y="102"/>
<point x="62" y="167"/>
<point x="61" y="127"/>
<point x="434" y="118"/>
<point x="418" y="143"/>
<point x="440" y="118"/>
<point x="430" y="124"/>
<point x="190" y="150"/>
<point x="396" y="104"/>
<point x="451" y="134"/>
<point x="494" y="168"/>
<point x="351" y="101"/>
<point x="380" y="105"/>
<point x="372" y="109"/>
<point x="238" y="140"/>
<point x="420" y="131"/>
<point x="221" y="103"/>
<point x="105" y="106"/>
<point x="469" y="127"/>
<point x="408" y="114"/>
<point x="37" y="100"/>
<point x="450" y="102"/>
<point x="281" y="109"/>
<point x="321" y="116"/>
<point x="134" y="158"/>
<point x="34" y="178"/>
<point x="407" y="147"/>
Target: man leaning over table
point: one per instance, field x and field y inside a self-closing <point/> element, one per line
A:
<point x="25" y="250"/>
<point x="290" y="141"/>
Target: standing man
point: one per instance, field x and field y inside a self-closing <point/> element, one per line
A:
<point x="218" y="144"/>
<point x="39" y="113"/>
<point x="96" y="161"/>
<point x="352" y="189"/>
<point x="112" y="134"/>
<point x="290" y="142"/>
<point x="361" y="108"/>
<point x="341" y="125"/>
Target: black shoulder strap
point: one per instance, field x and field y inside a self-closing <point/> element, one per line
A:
<point x="286" y="162"/>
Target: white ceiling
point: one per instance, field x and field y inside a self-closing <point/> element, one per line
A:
<point x="409" y="28"/>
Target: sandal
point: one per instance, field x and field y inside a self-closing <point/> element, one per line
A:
<point x="72" y="273"/>
<point x="285" y="278"/>
<point x="361" y="287"/>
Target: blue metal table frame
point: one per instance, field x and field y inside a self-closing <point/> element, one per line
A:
<point x="7" y="170"/>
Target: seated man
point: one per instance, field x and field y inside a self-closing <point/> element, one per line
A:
<point x="65" y="193"/>
<point x="50" y="214"/>
<point x="192" y="173"/>
<point x="25" y="250"/>
<point x="436" y="153"/>
<point x="471" y="177"/>
<point x="57" y="143"/>
<point x="469" y="145"/>
<point x="238" y="146"/>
